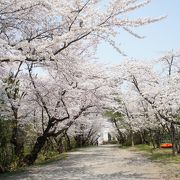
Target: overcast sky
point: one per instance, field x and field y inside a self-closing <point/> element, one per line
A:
<point x="159" y="37"/>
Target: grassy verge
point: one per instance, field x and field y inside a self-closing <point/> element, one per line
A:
<point x="161" y="155"/>
<point x="54" y="158"/>
<point x="42" y="160"/>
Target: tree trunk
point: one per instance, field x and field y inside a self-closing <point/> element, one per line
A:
<point x="152" y="139"/>
<point x="121" y="137"/>
<point x="142" y="139"/>
<point x="60" y="145"/>
<point x="132" y="138"/>
<point x="78" y="139"/>
<point x="173" y="140"/>
<point x="17" y="139"/>
<point x="40" y="142"/>
<point x="178" y="140"/>
<point x="30" y="158"/>
<point x="145" y="134"/>
<point x="158" y="138"/>
<point x="68" y="142"/>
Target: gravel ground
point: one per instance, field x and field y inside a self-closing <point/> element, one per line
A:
<point x="100" y="163"/>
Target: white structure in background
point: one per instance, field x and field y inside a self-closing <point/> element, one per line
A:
<point x="103" y="137"/>
<point x="104" y="133"/>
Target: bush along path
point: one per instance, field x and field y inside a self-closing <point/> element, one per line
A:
<point x="103" y="162"/>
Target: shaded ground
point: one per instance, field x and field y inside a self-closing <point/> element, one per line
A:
<point x="104" y="162"/>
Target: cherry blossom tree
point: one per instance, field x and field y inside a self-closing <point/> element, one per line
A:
<point x="157" y="89"/>
<point x="46" y="78"/>
<point x="43" y="30"/>
<point x="57" y="101"/>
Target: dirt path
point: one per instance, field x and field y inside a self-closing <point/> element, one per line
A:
<point x="101" y="163"/>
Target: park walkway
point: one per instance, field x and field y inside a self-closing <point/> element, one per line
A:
<point x="98" y="163"/>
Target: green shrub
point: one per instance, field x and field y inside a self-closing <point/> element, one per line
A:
<point x="7" y="157"/>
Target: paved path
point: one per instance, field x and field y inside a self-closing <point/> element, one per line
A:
<point x="101" y="163"/>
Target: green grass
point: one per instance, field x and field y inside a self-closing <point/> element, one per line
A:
<point x="39" y="162"/>
<point x="161" y="155"/>
<point x="143" y="147"/>
<point x="12" y="173"/>
<point x="165" y="155"/>
<point x="56" y="157"/>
